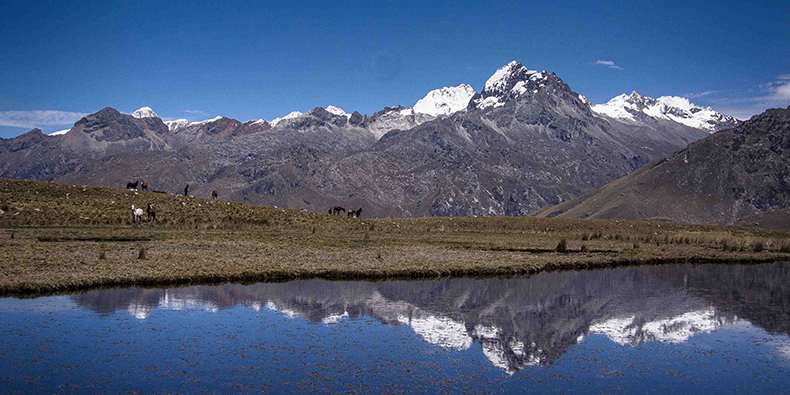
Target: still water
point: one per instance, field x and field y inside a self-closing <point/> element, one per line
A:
<point x="658" y="329"/>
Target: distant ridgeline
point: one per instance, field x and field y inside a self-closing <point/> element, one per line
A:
<point x="524" y="143"/>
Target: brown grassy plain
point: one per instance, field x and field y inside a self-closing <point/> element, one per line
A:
<point x="61" y="238"/>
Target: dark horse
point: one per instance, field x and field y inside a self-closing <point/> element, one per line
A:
<point x="132" y="185"/>
<point x="151" y="212"/>
<point x="336" y="210"/>
<point x="214" y="194"/>
<point x="355" y="214"/>
<point x="144" y="186"/>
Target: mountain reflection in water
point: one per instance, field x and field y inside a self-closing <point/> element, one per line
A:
<point x="517" y="322"/>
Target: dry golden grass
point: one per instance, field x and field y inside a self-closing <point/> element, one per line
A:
<point x="86" y="239"/>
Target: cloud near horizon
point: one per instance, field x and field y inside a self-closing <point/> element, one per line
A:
<point x="607" y="63"/>
<point x="700" y="94"/>
<point x="34" y="119"/>
<point x="773" y="94"/>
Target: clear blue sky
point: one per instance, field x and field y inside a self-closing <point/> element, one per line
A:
<point x="197" y="60"/>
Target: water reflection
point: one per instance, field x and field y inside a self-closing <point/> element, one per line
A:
<point x="517" y="322"/>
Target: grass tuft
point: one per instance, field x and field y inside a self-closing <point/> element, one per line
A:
<point x="562" y="246"/>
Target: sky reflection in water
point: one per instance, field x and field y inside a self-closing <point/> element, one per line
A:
<point x="644" y="329"/>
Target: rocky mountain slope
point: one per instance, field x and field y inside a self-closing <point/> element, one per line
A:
<point x="736" y="176"/>
<point x="525" y="142"/>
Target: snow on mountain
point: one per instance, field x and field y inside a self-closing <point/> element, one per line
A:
<point x="337" y="111"/>
<point x="445" y="101"/>
<point x="510" y="82"/>
<point x="291" y="115"/>
<point x="176" y="125"/>
<point x="513" y="73"/>
<point x="255" y="122"/>
<point x="145" y="112"/>
<point x="203" y="122"/>
<point x="59" y="132"/>
<point x="491" y="101"/>
<point x="678" y="109"/>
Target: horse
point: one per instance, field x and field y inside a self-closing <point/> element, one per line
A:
<point x="214" y="194"/>
<point x="144" y="186"/>
<point x="337" y="209"/>
<point x="151" y="212"/>
<point x="132" y="185"/>
<point x="137" y="214"/>
<point x="355" y="213"/>
<point x="186" y="190"/>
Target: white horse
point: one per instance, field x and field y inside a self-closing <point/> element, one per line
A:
<point x="137" y="214"/>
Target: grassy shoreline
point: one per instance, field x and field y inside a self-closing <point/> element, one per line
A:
<point x="62" y="238"/>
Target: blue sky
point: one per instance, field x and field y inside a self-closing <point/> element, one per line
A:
<point x="197" y="60"/>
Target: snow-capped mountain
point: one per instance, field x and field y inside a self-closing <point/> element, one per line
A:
<point x="526" y="141"/>
<point x="145" y="112"/>
<point x="338" y="111"/>
<point x="445" y="101"/>
<point x="509" y="82"/>
<point x="205" y="121"/>
<point x="291" y="115"/>
<point x="635" y="107"/>
<point x="177" y="125"/>
<point x="296" y="114"/>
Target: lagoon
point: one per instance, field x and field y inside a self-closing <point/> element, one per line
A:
<point x="648" y="329"/>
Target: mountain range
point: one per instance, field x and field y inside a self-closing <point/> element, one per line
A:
<point x="527" y="141"/>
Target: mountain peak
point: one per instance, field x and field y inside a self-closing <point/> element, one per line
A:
<point x="512" y="78"/>
<point x="337" y="111"/>
<point x="177" y="124"/>
<point x="513" y="81"/>
<point x="445" y="101"/>
<point x="635" y="107"/>
<point x="291" y="115"/>
<point x="145" y="112"/>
